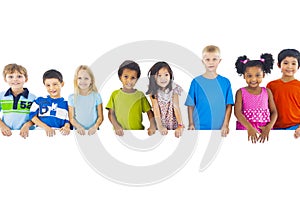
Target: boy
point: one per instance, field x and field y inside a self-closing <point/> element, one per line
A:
<point x="51" y="113"/>
<point x="286" y="92"/>
<point x="210" y="99"/>
<point x="15" y="103"/>
<point x="126" y="105"/>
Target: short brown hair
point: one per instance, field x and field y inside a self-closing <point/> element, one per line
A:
<point x="12" y="68"/>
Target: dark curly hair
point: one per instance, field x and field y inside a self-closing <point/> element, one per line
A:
<point x="265" y="62"/>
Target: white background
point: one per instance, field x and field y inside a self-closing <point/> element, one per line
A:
<point x="46" y="180"/>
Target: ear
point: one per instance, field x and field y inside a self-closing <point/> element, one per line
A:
<point x="62" y="84"/>
<point x="278" y="65"/>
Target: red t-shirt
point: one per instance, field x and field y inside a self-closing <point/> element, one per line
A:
<point x="287" y="100"/>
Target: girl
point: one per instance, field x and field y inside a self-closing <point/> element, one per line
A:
<point x="254" y="105"/>
<point x="164" y="93"/>
<point x="85" y="105"/>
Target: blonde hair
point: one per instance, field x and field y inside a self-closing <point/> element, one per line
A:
<point x="12" y="68"/>
<point x="92" y="87"/>
<point x="211" y="49"/>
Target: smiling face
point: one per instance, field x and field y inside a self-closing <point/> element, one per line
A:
<point x="15" y="81"/>
<point x="163" y="78"/>
<point x="84" y="81"/>
<point x="253" y="76"/>
<point x="53" y="87"/>
<point x="128" y="79"/>
<point x="289" y="66"/>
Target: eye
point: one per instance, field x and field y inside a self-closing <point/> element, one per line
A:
<point x="20" y="76"/>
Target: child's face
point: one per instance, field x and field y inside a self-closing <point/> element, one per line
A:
<point x="15" y="80"/>
<point x="128" y="79"/>
<point x="53" y="87"/>
<point x="211" y="61"/>
<point x="289" y="66"/>
<point x="84" y="80"/>
<point x="163" y="78"/>
<point x="253" y="76"/>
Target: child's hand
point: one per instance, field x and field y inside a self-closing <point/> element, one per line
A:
<point x="178" y="131"/>
<point x="49" y="131"/>
<point x="224" y="131"/>
<point x="151" y="131"/>
<point x="264" y="135"/>
<point x="191" y="127"/>
<point x="80" y="130"/>
<point x="253" y="135"/>
<point x="119" y="131"/>
<point x="6" y="130"/>
<point x="92" y="130"/>
<point x="297" y="133"/>
<point x="24" y="132"/>
<point x="163" y="131"/>
<point x="65" y="130"/>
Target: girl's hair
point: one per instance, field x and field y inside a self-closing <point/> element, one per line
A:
<point x="92" y="87"/>
<point x="153" y="87"/>
<point x="288" y="53"/>
<point x="265" y="62"/>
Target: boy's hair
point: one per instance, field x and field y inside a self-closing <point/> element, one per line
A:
<point x="288" y="53"/>
<point x="12" y="68"/>
<point x="153" y="87"/>
<point x="129" y="65"/>
<point x="211" y="49"/>
<point x="92" y="87"/>
<point x="52" y="74"/>
<point x="265" y="62"/>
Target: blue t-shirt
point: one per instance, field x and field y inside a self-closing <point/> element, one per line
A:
<point x="16" y="109"/>
<point x="53" y="112"/>
<point x="85" y="108"/>
<point x="209" y="97"/>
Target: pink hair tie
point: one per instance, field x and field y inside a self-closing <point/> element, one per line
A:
<point x="244" y="61"/>
<point x="262" y="60"/>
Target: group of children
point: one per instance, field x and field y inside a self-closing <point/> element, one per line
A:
<point x="209" y="101"/>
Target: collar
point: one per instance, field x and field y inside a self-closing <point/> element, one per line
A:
<point x="24" y="94"/>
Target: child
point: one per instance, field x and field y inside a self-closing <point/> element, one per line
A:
<point x="210" y="99"/>
<point x="15" y="103"/>
<point x="286" y="92"/>
<point x="164" y="98"/>
<point x="85" y="105"/>
<point x="126" y="105"/>
<point x="254" y="105"/>
<point x="51" y="113"/>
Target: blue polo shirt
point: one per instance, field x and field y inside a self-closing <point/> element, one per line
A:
<point x="16" y="109"/>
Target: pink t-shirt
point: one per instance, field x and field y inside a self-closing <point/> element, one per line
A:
<point x="255" y="108"/>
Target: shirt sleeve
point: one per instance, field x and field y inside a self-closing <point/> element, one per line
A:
<point x="34" y="109"/>
<point x="71" y="100"/>
<point x="145" y="104"/>
<point x="110" y="103"/>
<point x="190" y="99"/>
<point x="98" y="99"/>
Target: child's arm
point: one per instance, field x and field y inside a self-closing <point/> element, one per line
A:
<point x="252" y="132"/>
<point x="177" y="112"/>
<point x="24" y="132"/>
<point x="163" y="130"/>
<point x="273" y="117"/>
<point x="4" y="129"/>
<point x="152" y="128"/>
<point x="80" y="130"/>
<point x="190" y="115"/>
<point x="112" y="117"/>
<point x="99" y="121"/>
<point x="49" y="131"/>
<point x="225" y="126"/>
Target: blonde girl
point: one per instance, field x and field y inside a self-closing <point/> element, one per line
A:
<point x="85" y="105"/>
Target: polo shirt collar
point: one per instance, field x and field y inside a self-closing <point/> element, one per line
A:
<point x="24" y="94"/>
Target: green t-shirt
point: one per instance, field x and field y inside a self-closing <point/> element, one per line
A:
<point x="128" y="108"/>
